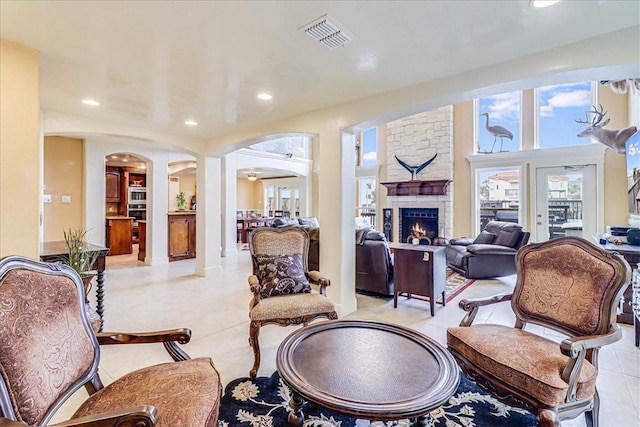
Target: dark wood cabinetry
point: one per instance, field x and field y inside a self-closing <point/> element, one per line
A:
<point x="420" y="270"/>
<point x="182" y="236"/>
<point x="142" y="240"/>
<point x="118" y="235"/>
<point x="112" y="182"/>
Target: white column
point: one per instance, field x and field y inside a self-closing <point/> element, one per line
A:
<point x="229" y="204"/>
<point x="208" y="215"/>
<point x="157" y="202"/>
<point x="336" y="216"/>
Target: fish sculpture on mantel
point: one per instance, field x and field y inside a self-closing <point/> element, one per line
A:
<point x="415" y="170"/>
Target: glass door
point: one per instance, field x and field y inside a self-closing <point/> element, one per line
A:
<point x="565" y="202"/>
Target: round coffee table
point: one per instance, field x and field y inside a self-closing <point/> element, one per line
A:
<point x="365" y="369"/>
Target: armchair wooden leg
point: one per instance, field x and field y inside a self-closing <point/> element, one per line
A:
<point x="254" y="332"/>
<point x="548" y="418"/>
<point x="591" y="417"/>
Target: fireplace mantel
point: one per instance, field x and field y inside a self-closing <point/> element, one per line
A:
<point x="417" y="188"/>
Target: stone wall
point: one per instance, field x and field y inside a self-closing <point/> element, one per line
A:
<point x="416" y="139"/>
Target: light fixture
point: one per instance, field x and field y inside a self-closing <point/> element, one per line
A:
<point x="251" y="176"/>
<point x="265" y="96"/>
<point x="191" y="123"/>
<point x="539" y="4"/>
<point x="91" y="102"/>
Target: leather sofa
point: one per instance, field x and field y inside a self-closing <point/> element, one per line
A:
<point x="374" y="263"/>
<point x="491" y="254"/>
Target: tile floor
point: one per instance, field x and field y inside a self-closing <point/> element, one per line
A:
<point x="144" y="298"/>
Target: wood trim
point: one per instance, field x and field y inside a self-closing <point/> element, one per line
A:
<point x="417" y="188"/>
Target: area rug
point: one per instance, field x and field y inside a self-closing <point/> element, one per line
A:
<point x="456" y="283"/>
<point x="264" y="402"/>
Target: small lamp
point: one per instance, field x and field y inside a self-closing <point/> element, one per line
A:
<point x="251" y="176"/>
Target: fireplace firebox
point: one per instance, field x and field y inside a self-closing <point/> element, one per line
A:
<point x="418" y="225"/>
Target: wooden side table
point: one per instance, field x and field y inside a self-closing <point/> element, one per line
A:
<point x="420" y="270"/>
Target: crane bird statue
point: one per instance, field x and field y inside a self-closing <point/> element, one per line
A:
<point x="415" y="170"/>
<point x="497" y="132"/>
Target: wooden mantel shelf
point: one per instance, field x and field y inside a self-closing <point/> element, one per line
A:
<point x="417" y="188"/>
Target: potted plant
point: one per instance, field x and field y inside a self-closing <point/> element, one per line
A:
<point x="79" y="257"/>
<point x="182" y="201"/>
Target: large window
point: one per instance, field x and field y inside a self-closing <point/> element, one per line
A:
<point x="499" y="195"/>
<point x="559" y="108"/>
<point x="368" y="148"/>
<point x="499" y="123"/>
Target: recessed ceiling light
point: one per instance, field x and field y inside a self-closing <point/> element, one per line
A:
<point x="91" y="102"/>
<point x="264" y="96"/>
<point x="539" y="4"/>
<point x="191" y="123"/>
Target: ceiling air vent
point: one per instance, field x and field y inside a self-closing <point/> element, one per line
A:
<point x="328" y="32"/>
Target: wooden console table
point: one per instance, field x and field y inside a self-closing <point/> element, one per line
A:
<point x="420" y="270"/>
<point x="632" y="254"/>
<point x="245" y="224"/>
<point x="58" y="251"/>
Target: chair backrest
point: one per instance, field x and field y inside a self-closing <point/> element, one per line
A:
<point x="569" y="284"/>
<point x="47" y="347"/>
<point x="519" y="236"/>
<point x="280" y="241"/>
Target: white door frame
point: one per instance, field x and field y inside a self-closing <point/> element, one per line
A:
<point x="540" y="226"/>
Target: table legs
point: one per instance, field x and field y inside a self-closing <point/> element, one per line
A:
<point x="296" y="417"/>
<point x="100" y="297"/>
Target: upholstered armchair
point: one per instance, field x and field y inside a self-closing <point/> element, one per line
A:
<point x="280" y="283"/>
<point x="490" y="254"/>
<point x="48" y="351"/>
<point x="567" y="285"/>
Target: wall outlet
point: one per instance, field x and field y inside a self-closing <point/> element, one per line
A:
<point x="46" y="198"/>
<point x="66" y="199"/>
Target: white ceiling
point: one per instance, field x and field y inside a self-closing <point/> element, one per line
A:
<point x="155" y="64"/>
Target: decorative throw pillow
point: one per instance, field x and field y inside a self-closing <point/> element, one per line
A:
<point x="283" y="222"/>
<point x="507" y="238"/>
<point x="485" y="237"/>
<point x="281" y="275"/>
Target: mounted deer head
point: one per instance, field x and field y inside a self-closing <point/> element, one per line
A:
<point x="615" y="139"/>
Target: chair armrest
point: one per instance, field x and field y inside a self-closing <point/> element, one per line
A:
<point x="471" y="306"/>
<point x="577" y="348"/>
<point x="138" y="416"/>
<point x="169" y="338"/>
<point x="488" y="249"/>
<point x="254" y="285"/>
<point x="461" y="241"/>
<point x="318" y="278"/>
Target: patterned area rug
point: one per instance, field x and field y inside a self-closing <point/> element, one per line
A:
<point x="265" y="403"/>
<point x="456" y="283"/>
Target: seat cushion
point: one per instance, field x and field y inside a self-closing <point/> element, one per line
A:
<point x="522" y="360"/>
<point x="184" y="393"/>
<point x="291" y="306"/>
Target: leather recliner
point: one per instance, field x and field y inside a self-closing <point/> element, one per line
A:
<point x="491" y="254"/>
<point x="374" y="263"/>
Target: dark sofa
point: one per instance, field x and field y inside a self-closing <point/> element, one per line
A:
<point x="374" y="263"/>
<point x="491" y="254"/>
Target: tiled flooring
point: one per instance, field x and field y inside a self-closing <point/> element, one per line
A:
<point x="143" y="298"/>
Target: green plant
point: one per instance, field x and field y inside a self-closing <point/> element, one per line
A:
<point x="79" y="257"/>
<point x="182" y="201"/>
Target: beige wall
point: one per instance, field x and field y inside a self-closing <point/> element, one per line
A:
<point x="63" y="175"/>
<point x="247" y="192"/>
<point x="188" y="185"/>
<point x="19" y="150"/>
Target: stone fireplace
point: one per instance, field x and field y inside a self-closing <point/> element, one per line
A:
<point x="414" y="140"/>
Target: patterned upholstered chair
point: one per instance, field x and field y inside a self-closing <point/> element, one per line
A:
<point x="568" y="285"/>
<point x="48" y="351"/>
<point x="280" y="284"/>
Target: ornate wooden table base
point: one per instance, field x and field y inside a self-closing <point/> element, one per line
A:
<point x="366" y="370"/>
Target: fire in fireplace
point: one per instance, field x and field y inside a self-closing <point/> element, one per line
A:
<point x="418" y="225"/>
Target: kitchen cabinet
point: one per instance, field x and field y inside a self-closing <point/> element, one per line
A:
<point x="142" y="240"/>
<point x="118" y="235"/>
<point x="182" y="235"/>
<point x="112" y="182"/>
